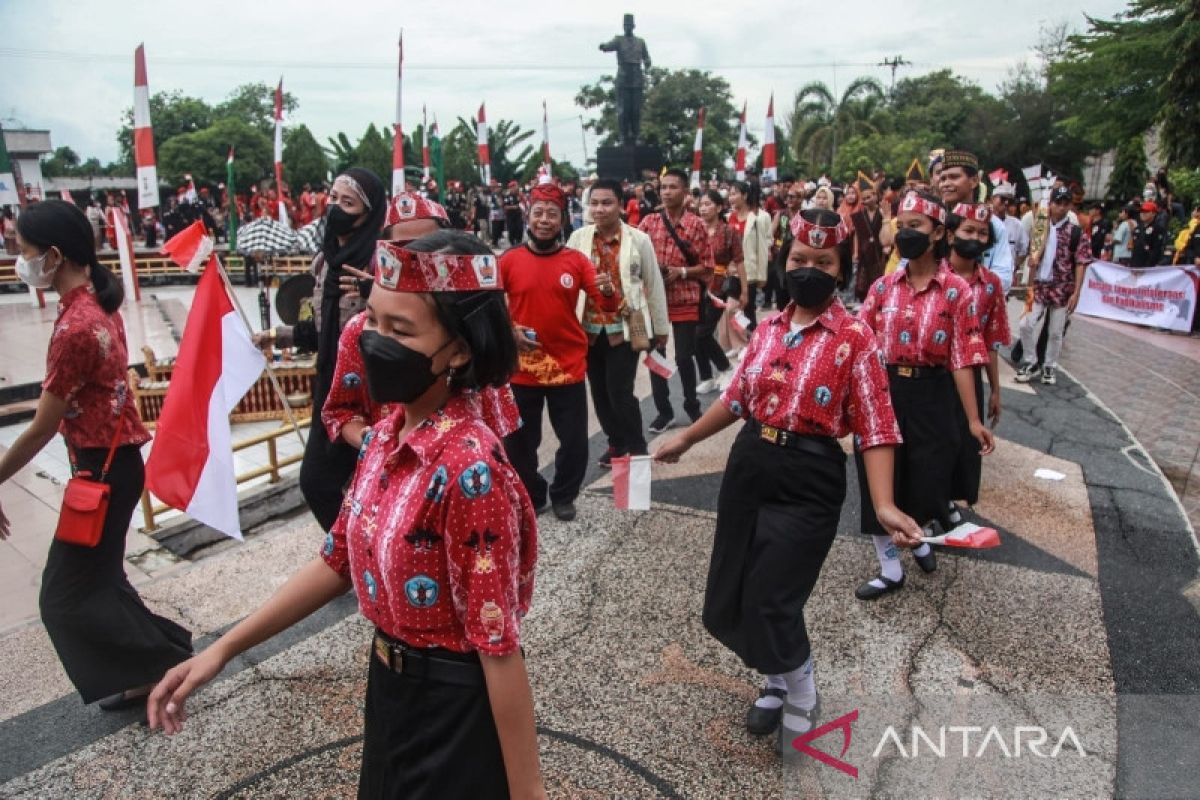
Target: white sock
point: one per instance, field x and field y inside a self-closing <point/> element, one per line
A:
<point x="923" y="550"/>
<point x="802" y="693"/>
<point x="889" y="561"/>
<point x="770" y="700"/>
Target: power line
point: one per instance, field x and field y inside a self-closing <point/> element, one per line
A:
<point x="894" y="62"/>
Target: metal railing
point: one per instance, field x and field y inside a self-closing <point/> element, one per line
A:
<point x="151" y="510"/>
<point x="158" y="266"/>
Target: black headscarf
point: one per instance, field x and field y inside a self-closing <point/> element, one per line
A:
<point x="359" y="249"/>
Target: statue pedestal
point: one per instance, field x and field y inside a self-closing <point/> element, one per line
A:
<point x="633" y="163"/>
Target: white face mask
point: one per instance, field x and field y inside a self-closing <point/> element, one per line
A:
<point x="30" y="270"/>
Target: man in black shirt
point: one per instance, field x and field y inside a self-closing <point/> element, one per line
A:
<point x="1149" y="238"/>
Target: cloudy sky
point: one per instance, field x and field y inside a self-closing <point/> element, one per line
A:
<point x="68" y="66"/>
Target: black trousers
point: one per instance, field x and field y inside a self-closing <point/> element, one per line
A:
<point x="427" y="740"/>
<point x="611" y="372"/>
<point x="968" y="465"/>
<point x="516" y="228"/>
<point x="568" y="417"/>
<point x="685" y="351"/>
<point x="925" y="411"/>
<point x="708" y="353"/>
<point x="105" y="637"/>
<point x="497" y="227"/>
<point x="777" y="515"/>
<point x="326" y="468"/>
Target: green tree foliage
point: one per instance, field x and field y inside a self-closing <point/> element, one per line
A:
<point x="62" y="162"/>
<point x="819" y="122"/>
<point x="253" y="103"/>
<point x="171" y="114"/>
<point x="374" y="152"/>
<point x="1129" y="172"/>
<point x="1186" y="183"/>
<point x="203" y="153"/>
<point x="890" y="152"/>
<point x="303" y="159"/>
<point x="1181" y="95"/>
<point x="459" y="154"/>
<point x="673" y="98"/>
<point x="506" y="145"/>
<point x="947" y="110"/>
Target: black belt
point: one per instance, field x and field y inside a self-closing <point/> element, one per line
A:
<point x="905" y="371"/>
<point x="408" y="661"/>
<point x="809" y="443"/>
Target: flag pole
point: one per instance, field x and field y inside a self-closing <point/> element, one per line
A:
<point x="287" y="409"/>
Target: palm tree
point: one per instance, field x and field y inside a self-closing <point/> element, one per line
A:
<point x="818" y="121"/>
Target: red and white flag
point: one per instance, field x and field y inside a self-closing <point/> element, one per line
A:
<point x="143" y="135"/>
<point x="425" y="142"/>
<point x="398" y="184"/>
<point x="546" y="140"/>
<point x="120" y="222"/>
<point x="739" y="161"/>
<point x="481" y="139"/>
<point x="283" y="215"/>
<point x="659" y="364"/>
<point x="191" y="463"/>
<point x="768" y="150"/>
<point x="631" y="482"/>
<point x="998" y="176"/>
<point x="968" y="535"/>
<point x="698" y="149"/>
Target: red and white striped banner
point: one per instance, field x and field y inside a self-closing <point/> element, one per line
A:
<point x="768" y="151"/>
<point x="425" y="142"/>
<point x="143" y="135"/>
<point x="283" y="215"/>
<point x="546" y="140"/>
<point x="398" y="128"/>
<point x="698" y="149"/>
<point x="481" y="138"/>
<point x="739" y="161"/>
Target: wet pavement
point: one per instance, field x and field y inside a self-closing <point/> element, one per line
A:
<point x="1081" y="634"/>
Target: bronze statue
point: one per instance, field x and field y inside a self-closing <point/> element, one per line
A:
<point x="631" y="83"/>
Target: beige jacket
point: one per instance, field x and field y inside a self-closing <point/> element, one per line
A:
<point x="641" y="281"/>
<point x="756" y="246"/>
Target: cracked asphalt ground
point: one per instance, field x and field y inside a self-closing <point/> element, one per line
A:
<point x="1084" y="622"/>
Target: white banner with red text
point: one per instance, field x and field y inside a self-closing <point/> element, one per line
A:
<point x="1162" y="297"/>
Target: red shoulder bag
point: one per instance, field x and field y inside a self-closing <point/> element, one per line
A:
<point x="85" y="501"/>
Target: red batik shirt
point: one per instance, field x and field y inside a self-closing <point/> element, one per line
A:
<point x="437" y="533"/>
<point x="349" y="400"/>
<point x="86" y="366"/>
<point x="987" y="295"/>
<point x="935" y="327"/>
<point x="826" y="379"/>
<point x="683" y="296"/>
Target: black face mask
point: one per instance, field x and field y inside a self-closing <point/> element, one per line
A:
<point x="395" y="373"/>
<point x="970" y="249"/>
<point x="809" y="287"/>
<point x="911" y="243"/>
<point x="339" y="221"/>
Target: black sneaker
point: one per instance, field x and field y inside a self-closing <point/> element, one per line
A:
<point x="661" y="423"/>
<point x="693" y="413"/>
<point x="564" y="511"/>
<point x="606" y="459"/>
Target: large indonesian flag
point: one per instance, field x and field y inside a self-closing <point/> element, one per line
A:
<point x="481" y="140"/>
<point x="143" y="135"/>
<point x="739" y="160"/>
<point x="191" y="464"/>
<point x="768" y="150"/>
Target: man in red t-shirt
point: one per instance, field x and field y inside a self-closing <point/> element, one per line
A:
<point x="543" y="280"/>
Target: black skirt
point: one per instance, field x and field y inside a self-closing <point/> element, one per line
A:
<point x="925" y="412"/>
<point x="106" y="638"/>
<point x="777" y="515"/>
<point x="968" y="466"/>
<point x="424" y="739"/>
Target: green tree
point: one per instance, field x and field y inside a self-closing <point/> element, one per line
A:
<point x="303" y="159"/>
<point x="504" y="139"/>
<point x="673" y="99"/>
<point x="947" y="110"/>
<point x="203" y="153"/>
<point x="1181" y="95"/>
<point x="171" y="114"/>
<point x="62" y="162"/>
<point x="818" y="122"/>
<point x="374" y="152"/>
<point x="459" y="154"/>
<point x="253" y="103"/>
<point x="1031" y="132"/>
<point x="1129" y="171"/>
<point x="890" y="152"/>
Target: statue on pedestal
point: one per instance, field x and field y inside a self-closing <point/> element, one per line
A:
<point x="631" y="83"/>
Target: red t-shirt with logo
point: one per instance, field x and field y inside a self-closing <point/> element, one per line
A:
<point x="543" y="294"/>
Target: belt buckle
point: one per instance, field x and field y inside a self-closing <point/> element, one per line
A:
<point x="769" y="434"/>
<point x="904" y="372"/>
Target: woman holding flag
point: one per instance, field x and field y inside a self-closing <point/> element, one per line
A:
<point x="110" y="644"/>
<point x="810" y="375"/>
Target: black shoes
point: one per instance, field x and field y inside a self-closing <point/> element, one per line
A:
<point x="927" y="562"/>
<point x="661" y="423"/>
<point x="564" y="511"/>
<point x="868" y="591"/>
<point x="763" y="721"/>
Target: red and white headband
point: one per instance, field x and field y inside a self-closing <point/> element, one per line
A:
<point x="399" y="269"/>
<point x="914" y="202"/>
<point x="820" y="237"/>
<point x="976" y="211"/>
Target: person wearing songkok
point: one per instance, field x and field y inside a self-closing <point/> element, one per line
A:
<point x="357" y="210"/>
<point x="958" y="182"/>
<point x="970" y="230"/>
<point x="626" y="255"/>
<point x="543" y="281"/>
<point x="1058" y="270"/>
<point x="437" y="538"/>
<point x="867" y="223"/>
<point x="928" y="332"/>
<point x="685" y="261"/>
<point x="811" y="374"/>
<point x="1018" y="241"/>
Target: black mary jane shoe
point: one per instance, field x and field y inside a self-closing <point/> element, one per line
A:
<point x="868" y="591"/>
<point x="122" y="702"/>
<point x="763" y="721"/>
<point x="927" y="562"/>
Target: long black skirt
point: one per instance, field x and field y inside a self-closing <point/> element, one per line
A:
<point x="777" y="515"/>
<point x="968" y="466"/>
<point x="924" y="463"/>
<point x="425" y="739"/>
<point x="106" y="638"/>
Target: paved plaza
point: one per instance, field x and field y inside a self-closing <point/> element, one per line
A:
<point x="1081" y="633"/>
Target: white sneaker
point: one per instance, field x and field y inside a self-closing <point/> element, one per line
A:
<point x="724" y="379"/>
<point x="1049" y="376"/>
<point x="732" y="353"/>
<point x="1026" y="373"/>
<point x="704" y="387"/>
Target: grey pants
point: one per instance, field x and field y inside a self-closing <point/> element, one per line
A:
<point x="1056" y="321"/>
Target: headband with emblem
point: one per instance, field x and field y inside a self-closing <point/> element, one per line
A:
<point x="914" y="202"/>
<point x="820" y="237"/>
<point x="402" y="270"/>
<point x="408" y="206"/>
<point x="976" y="211"/>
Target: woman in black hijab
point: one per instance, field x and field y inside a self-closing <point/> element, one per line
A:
<point x="356" y="213"/>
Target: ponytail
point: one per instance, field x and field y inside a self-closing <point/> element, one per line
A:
<point x="110" y="292"/>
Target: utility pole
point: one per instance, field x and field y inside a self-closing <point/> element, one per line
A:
<point x="583" y="135"/>
<point x="894" y="62"/>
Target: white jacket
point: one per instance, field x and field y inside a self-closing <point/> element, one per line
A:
<point x="756" y="246"/>
<point x="641" y="281"/>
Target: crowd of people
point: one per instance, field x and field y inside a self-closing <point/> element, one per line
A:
<point x="873" y="309"/>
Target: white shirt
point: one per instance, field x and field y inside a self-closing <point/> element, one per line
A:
<point x="1046" y="268"/>
<point x="1000" y="258"/>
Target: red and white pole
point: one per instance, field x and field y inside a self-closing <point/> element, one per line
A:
<point x="698" y="149"/>
<point x="283" y="215"/>
<point x="398" y="184"/>
<point x="768" y="151"/>
<point x="143" y="135"/>
<point x="739" y="161"/>
<point x="485" y="154"/>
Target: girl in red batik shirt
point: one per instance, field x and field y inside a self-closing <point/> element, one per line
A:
<point x="437" y="538"/>
<point x="810" y="375"/>
<point x="928" y="332"/>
